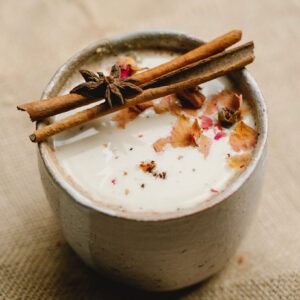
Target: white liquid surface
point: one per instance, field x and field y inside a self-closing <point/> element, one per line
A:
<point x="96" y="156"/>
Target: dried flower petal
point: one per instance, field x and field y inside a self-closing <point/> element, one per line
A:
<point x="124" y="116"/>
<point x="211" y="106"/>
<point x="245" y="110"/>
<point x="230" y="100"/>
<point x="183" y="134"/>
<point x="168" y="103"/>
<point x="227" y="99"/>
<point x="204" y="145"/>
<point x="190" y="111"/>
<point x="244" y="137"/>
<point x="206" y="122"/>
<point x="195" y="132"/>
<point x="162" y="106"/>
<point x="160" y="143"/>
<point x="128" y="66"/>
<point x="219" y="135"/>
<point x="239" y="162"/>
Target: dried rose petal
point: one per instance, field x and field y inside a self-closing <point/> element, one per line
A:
<point x="244" y="137"/>
<point x="183" y="134"/>
<point x="190" y="111"/>
<point x="206" y="122"/>
<point x="245" y="111"/>
<point x="195" y="132"/>
<point x="128" y="66"/>
<point x="219" y="135"/>
<point x="204" y="145"/>
<point x="124" y="116"/>
<point x="226" y="99"/>
<point x="211" y="106"/>
<point x="168" y="103"/>
<point x="230" y="100"/>
<point x="160" y="143"/>
<point x="239" y="162"/>
<point x="162" y="106"/>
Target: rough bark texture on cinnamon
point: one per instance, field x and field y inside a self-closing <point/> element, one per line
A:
<point x="208" y="69"/>
<point x="41" y="109"/>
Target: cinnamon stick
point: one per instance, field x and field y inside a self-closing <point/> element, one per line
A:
<point x="39" y="110"/>
<point x="209" y="69"/>
<point x="217" y="45"/>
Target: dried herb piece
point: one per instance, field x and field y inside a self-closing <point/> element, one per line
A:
<point x="112" y="87"/>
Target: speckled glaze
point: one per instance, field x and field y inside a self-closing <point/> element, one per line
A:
<point x="168" y="251"/>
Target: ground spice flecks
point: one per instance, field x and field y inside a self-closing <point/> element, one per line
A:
<point x="149" y="167"/>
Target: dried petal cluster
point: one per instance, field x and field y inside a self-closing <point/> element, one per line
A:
<point x="185" y="134"/>
<point x="128" y="66"/>
<point x="228" y="105"/>
<point x="112" y="87"/>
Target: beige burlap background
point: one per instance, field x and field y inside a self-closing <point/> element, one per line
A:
<point x="38" y="36"/>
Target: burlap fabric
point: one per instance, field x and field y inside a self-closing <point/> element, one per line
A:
<point x="38" y="36"/>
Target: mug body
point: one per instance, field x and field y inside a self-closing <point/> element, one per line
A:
<point x="168" y="252"/>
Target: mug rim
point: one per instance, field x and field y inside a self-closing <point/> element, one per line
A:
<point x="84" y="201"/>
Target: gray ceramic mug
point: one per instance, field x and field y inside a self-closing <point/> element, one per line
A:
<point x="169" y="251"/>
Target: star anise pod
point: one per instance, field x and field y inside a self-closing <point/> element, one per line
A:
<point x="112" y="87"/>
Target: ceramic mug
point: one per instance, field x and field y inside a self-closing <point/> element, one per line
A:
<point x="172" y="250"/>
